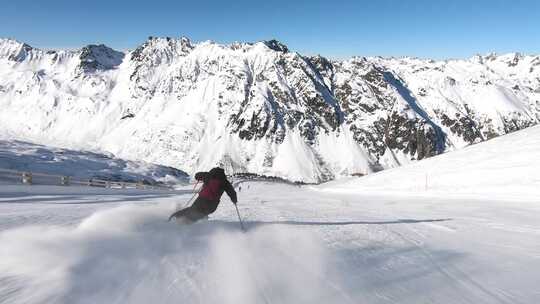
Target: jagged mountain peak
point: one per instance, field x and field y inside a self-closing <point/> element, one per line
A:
<point x="169" y="41"/>
<point x="276" y="45"/>
<point x="319" y="58"/>
<point x="14" y="50"/>
<point x="157" y="49"/>
<point x="99" y="57"/>
<point x="478" y="58"/>
<point x="259" y="108"/>
<point x="9" y="41"/>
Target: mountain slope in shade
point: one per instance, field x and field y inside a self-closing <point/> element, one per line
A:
<point x="260" y="108"/>
<point x="81" y="165"/>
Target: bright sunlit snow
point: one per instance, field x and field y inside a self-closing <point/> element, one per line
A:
<point x="259" y="108"/>
<point x="507" y="167"/>
<point x="384" y="238"/>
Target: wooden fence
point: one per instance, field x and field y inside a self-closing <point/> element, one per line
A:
<point x="34" y="178"/>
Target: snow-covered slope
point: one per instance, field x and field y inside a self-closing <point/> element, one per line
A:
<point x="360" y="241"/>
<point x="23" y="156"/>
<point x="260" y="108"/>
<point x="69" y="245"/>
<point x="506" y="167"/>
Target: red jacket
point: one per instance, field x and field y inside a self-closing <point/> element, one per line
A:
<point x="215" y="183"/>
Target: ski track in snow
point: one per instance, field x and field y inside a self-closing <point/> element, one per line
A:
<point x="302" y="246"/>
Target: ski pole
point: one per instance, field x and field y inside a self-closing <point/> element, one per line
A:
<point x="239" y="218"/>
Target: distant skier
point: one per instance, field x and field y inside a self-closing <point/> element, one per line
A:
<point x="214" y="184"/>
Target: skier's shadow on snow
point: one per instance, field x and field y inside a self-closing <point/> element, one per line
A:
<point x="253" y="224"/>
<point x="344" y="223"/>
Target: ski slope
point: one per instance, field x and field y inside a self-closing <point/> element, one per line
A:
<point x="334" y="243"/>
<point x="507" y="167"/>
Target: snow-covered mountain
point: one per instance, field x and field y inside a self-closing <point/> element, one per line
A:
<point x="260" y="108"/>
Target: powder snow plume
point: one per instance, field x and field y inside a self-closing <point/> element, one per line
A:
<point x="130" y="255"/>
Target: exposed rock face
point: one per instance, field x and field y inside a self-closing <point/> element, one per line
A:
<point x="276" y="46"/>
<point x="99" y="57"/>
<point x="13" y="50"/>
<point x="260" y="108"/>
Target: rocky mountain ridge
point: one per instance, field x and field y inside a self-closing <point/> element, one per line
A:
<point x="261" y="108"/>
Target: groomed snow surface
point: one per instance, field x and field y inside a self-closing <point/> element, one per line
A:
<point x="355" y="241"/>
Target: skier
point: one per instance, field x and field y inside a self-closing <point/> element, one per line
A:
<point x="214" y="184"/>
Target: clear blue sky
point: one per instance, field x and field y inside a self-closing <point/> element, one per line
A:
<point x="337" y="29"/>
